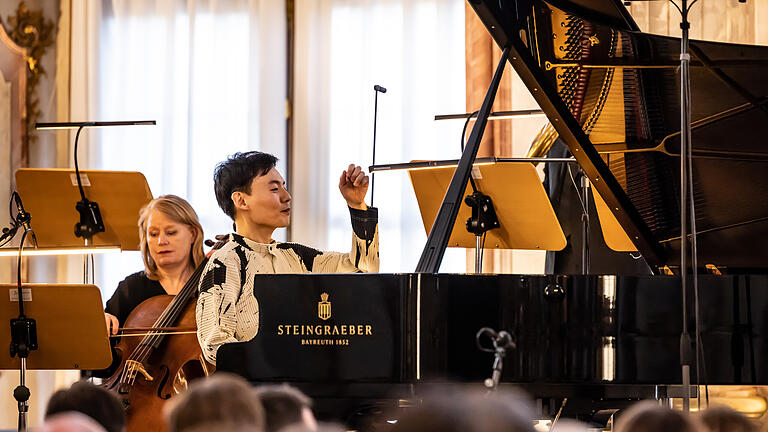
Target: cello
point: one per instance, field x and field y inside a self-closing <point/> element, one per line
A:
<point x="159" y="354"/>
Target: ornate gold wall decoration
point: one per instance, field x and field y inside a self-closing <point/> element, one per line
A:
<point x="30" y="30"/>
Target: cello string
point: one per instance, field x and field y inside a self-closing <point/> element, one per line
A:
<point x="169" y="314"/>
<point x="172" y="309"/>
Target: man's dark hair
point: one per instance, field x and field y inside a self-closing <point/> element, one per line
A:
<point x="93" y="401"/>
<point x="235" y="175"/>
<point x="283" y="405"/>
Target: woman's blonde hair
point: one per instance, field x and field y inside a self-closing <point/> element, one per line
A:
<point x="178" y="210"/>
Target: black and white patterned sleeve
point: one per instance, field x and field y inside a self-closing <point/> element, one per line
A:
<point x="364" y="256"/>
<point x="218" y="292"/>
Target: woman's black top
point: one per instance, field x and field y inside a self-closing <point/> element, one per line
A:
<point x="130" y="293"/>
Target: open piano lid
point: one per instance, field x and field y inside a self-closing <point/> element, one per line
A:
<point x="612" y="93"/>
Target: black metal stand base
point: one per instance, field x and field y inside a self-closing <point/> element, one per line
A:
<point x="21" y="394"/>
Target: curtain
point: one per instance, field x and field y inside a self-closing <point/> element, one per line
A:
<point x="413" y="48"/>
<point x="211" y="72"/>
<point x="715" y="20"/>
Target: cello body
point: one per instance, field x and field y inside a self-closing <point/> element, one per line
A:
<point x="149" y="375"/>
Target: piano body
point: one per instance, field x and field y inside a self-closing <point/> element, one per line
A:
<point x="356" y="342"/>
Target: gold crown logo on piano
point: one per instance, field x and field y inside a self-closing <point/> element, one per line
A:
<point x="324" y="307"/>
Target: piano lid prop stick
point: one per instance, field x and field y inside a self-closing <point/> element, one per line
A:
<point x="376" y="90"/>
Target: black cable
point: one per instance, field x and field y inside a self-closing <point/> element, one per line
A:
<point x="10" y="233"/>
<point x="464" y="130"/>
<point x="463" y="136"/>
<point x="578" y="192"/>
<point x="18" y="275"/>
<point x="482" y="248"/>
<point x="77" y="167"/>
<point x="93" y="268"/>
<point x="695" y="263"/>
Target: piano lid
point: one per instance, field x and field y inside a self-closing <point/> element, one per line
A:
<point x="612" y="93"/>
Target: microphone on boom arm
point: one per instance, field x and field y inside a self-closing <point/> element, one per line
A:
<point x="24" y="219"/>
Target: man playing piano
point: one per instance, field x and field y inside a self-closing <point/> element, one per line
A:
<point x="252" y="192"/>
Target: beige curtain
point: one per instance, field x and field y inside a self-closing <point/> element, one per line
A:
<point x="716" y="20"/>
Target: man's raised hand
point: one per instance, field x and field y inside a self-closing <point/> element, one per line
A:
<point x="353" y="185"/>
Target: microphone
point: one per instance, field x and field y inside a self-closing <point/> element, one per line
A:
<point x="24" y="218"/>
<point x="379" y="88"/>
<point x="504" y="340"/>
<point x="501" y="340"/>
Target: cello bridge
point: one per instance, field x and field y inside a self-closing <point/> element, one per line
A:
<point x="135" y="366"/>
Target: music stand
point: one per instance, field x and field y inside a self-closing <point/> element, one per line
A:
<point x="50" y="196"/>
<point x="526" y="217"/>
<point x="71" y="331"/>
<point x="614" y="235"/>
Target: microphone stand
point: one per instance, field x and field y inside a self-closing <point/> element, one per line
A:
<point x="23" y="328"/>
<point x="376" y="90"/>
<point x="502" y="341"/>
<point x="686" y="176"/>
<point x="685" y="145"/>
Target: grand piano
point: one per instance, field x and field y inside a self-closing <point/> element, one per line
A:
<point x="357" y="343"/>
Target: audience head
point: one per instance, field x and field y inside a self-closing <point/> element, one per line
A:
<point x="320" y="427"/>
<point x="169" y="234"/>
<point x="469" y="410"/>
<point x="285" y="405"/>
<point x="70" y="422"/>
<point x="220" y="402"/>
<point x="95" y="402"/>
<point x="236" y="174"/>
<point x="649" y="416"/>
<point x="725" y="419"/>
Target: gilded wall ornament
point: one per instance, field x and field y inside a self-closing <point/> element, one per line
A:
<point x="30" y="30"/>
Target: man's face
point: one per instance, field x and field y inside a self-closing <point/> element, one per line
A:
<point x="269" y="203"/>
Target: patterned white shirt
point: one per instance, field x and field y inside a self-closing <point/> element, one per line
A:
<point x="227" y="310"/>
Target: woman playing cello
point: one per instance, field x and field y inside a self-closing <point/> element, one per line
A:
<point x="154" y="313"/>
<point x="171" y="240"/>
